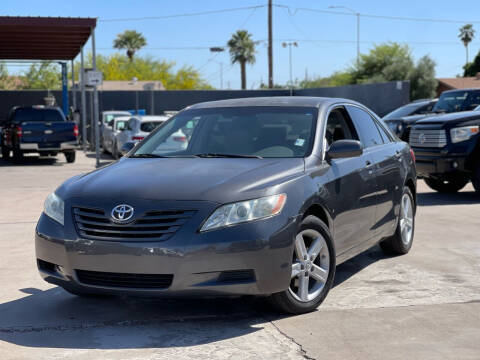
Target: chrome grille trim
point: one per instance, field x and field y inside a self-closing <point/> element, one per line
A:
<point x="428" y="138"/>
<point x="154" y="225"/>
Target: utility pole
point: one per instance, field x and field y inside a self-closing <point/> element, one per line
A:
<point x="270" y="46"/>
<point x="217" y="49"/>
<point x="357" y="14"/>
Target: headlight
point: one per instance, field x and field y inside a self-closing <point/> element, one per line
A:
<point x="54" y="208"/>
<point x="244" y="211"/>
<point x="463" y="133"/>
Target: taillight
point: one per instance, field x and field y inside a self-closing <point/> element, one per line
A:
<point x="75" y="130"/>
<point x="137" y="138"/>
<point x="180" y="138"/>
<point x="18" y="131"/>
<point x="412" y="154"/>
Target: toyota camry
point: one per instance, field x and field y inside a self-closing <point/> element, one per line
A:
<point x="266" y="197"/>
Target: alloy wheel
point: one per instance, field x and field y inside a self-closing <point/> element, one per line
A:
<point x="310" y="266"/>
<point x="406" y="219"/>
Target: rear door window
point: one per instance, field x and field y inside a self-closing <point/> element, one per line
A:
<point x="364" y="123"/>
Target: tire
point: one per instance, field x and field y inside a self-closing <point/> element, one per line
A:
<point x="476" y="178"/>
<point x="5" y="153"/>
<point x="17" y="155"/>
<point x="450" y="186"/>
<point x="70" y="157"/>
<point x="401" y="242"/>
<point x="312" y="231"/>
<point x="115" y="154"/>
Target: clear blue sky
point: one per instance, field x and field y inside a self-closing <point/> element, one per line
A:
<point x="326" y="42"/>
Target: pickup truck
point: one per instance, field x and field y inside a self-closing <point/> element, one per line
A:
<point x="38" y="129"/>
<point x="451" y="101"/>
<point x="447" y="150"/>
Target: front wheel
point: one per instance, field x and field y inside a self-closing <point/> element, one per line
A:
<point x="401" y="242"/>
<point x="449" y="186"/>
<point x="476" y="178"/>
<point x="313" y="269"/>
<point x="5" y="153"/>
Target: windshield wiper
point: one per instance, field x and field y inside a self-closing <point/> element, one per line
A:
<point x="219" y="155"/>
<point x="145" y="156"/>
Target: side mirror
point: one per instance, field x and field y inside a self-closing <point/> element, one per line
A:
<point x="127" y="147"/>
<point x="345" y="149"/>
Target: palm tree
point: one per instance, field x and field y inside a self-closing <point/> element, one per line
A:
<point x="242" y="50"/>
<point x="130" y="40"/>
<point x="466" y="35"/>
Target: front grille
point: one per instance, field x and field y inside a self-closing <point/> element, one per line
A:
<point x="428" y="138"/>
<point x="124" y="280"/>
<point x="150" y="226"/>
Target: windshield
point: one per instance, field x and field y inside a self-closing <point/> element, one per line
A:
<point x="457" y="101"/>
<point x="402" y="111"/>
<point x="149" y="126"/>
<point x="273" y="132"/>
<point x="111" y="117"/>
<point x="32" y="114"/>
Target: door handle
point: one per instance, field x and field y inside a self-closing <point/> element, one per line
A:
<point x="368" y="166"/>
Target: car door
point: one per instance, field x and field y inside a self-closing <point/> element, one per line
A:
<point x="352" y="186"/>
<point x="385" y="155"/>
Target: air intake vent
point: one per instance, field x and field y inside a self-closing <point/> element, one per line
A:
<point x="125" y="280"/>
<point x="236" y="276"/>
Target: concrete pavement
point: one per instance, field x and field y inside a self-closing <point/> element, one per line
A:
<point x="423" y="305"/>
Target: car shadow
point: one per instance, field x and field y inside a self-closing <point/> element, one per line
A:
<point x="32" y="161"/>
<point x="55" y="319"/>
<point x="356" y="264"/>
<point x="104" y="159"/>
<point x="436" y="199"/>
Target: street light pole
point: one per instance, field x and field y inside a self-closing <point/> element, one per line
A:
<point x="290" y="44"/>
<point x="357" y="14"/>
<point x="218" y="49"/>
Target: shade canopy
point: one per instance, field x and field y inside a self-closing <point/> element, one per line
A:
<point x="43" y="38"/>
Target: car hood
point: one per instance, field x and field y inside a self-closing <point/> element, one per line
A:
<point x="220" y="180"/>
<point x="453" y="118"/>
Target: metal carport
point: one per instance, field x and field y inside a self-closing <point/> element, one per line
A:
<point x="49" y="39"/>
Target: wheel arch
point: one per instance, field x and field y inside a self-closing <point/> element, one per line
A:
<point x="410" y="183"/>
<point x="320" y="212"/>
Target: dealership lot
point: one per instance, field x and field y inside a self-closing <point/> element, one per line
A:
<point x="422" y="305"/>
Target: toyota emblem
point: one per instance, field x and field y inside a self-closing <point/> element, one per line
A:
<point x="422" y="138"/>
<point x="122" y="213"/>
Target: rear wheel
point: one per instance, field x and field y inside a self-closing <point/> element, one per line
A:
<point x="447" y="186"/>
<point x="5" y="153"/>
<point x="313" y="269"/>
<point x="401" y="242"/>
<point x="70" y="157"/>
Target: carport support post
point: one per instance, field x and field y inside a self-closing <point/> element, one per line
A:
<point x="84" y="103"/>
<point x="74" y="98"/>
<point x="95" y="103"/>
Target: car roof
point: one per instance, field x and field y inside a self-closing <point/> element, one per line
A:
<point x="456" y="90"/>
<point x="116" y="112"/>
<point x="153" y="118"/>
<point x="302" y="101"/>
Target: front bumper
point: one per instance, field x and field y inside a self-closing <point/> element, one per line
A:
<point x="60" y="147"/>
<point x="197" y="261"/>
<point x="436" y="163"/>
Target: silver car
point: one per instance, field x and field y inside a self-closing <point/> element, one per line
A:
<point x="106" y="127"/>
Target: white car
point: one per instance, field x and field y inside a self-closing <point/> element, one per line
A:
<point x="106" y="127"/>
<point x="135" y="129"/>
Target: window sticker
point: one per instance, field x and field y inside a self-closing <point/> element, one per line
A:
<point x="299" y="142"/>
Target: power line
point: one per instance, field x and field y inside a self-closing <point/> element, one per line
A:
<point x="209" y="12"/>
<point x="294" y="10"/>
